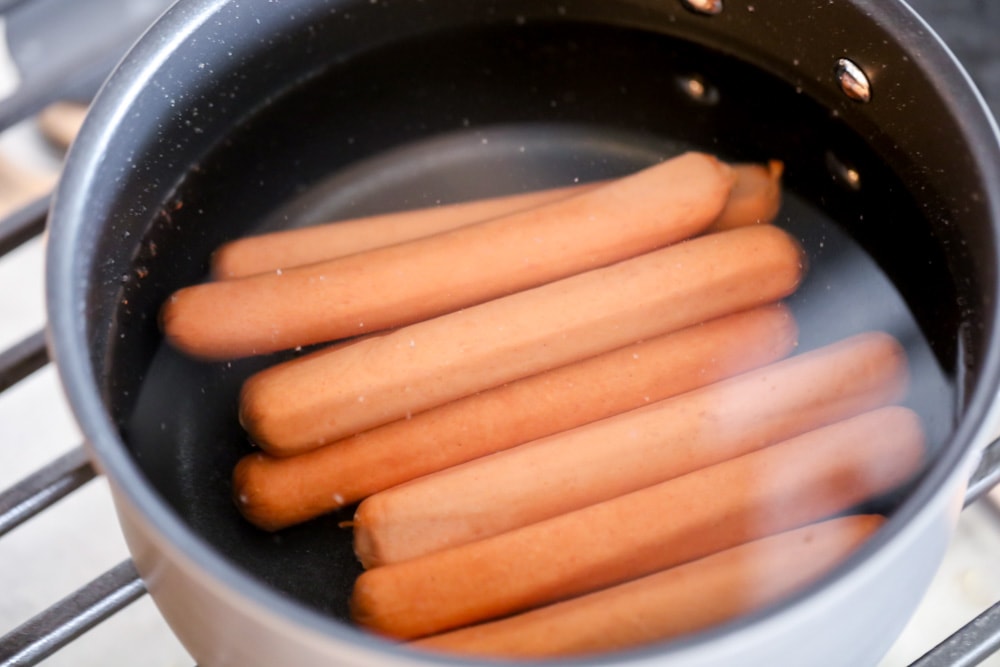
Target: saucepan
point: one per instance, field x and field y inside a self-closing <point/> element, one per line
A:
<point x="231" y="117"/>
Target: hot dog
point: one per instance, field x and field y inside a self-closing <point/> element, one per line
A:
<point x="284" y="249"/>
<point x="630" y="451"/>
<point x="275" y="492"/>
<point x="790" y="484"/>
<point x="754" y="199"/>
<point x="302" y="404"/>
<point x="409" y="282"/>
<point x="670" y="603"/>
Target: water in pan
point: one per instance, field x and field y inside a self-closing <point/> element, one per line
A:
<point x="181" y="421"/>
<point x="845" y="293"/>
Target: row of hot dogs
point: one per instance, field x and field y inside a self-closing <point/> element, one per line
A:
<point x="567" y="414"/>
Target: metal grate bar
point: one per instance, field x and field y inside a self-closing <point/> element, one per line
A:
<point x="43" y="488"/>
<point x="72" y="616"/>
<point x="23" y="225"/>
<point x="23" y="359"/>
<point x="968" y="647"/>
<point x="987" y="474"/>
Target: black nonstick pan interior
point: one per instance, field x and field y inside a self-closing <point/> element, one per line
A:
<point x="510" y="107"/>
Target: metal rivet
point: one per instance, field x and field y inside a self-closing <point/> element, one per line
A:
<point x="842" y="172"/>
<point x="698" y="89"/>
<point x="709" y="7"/>
<point x="853" y="81"/>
